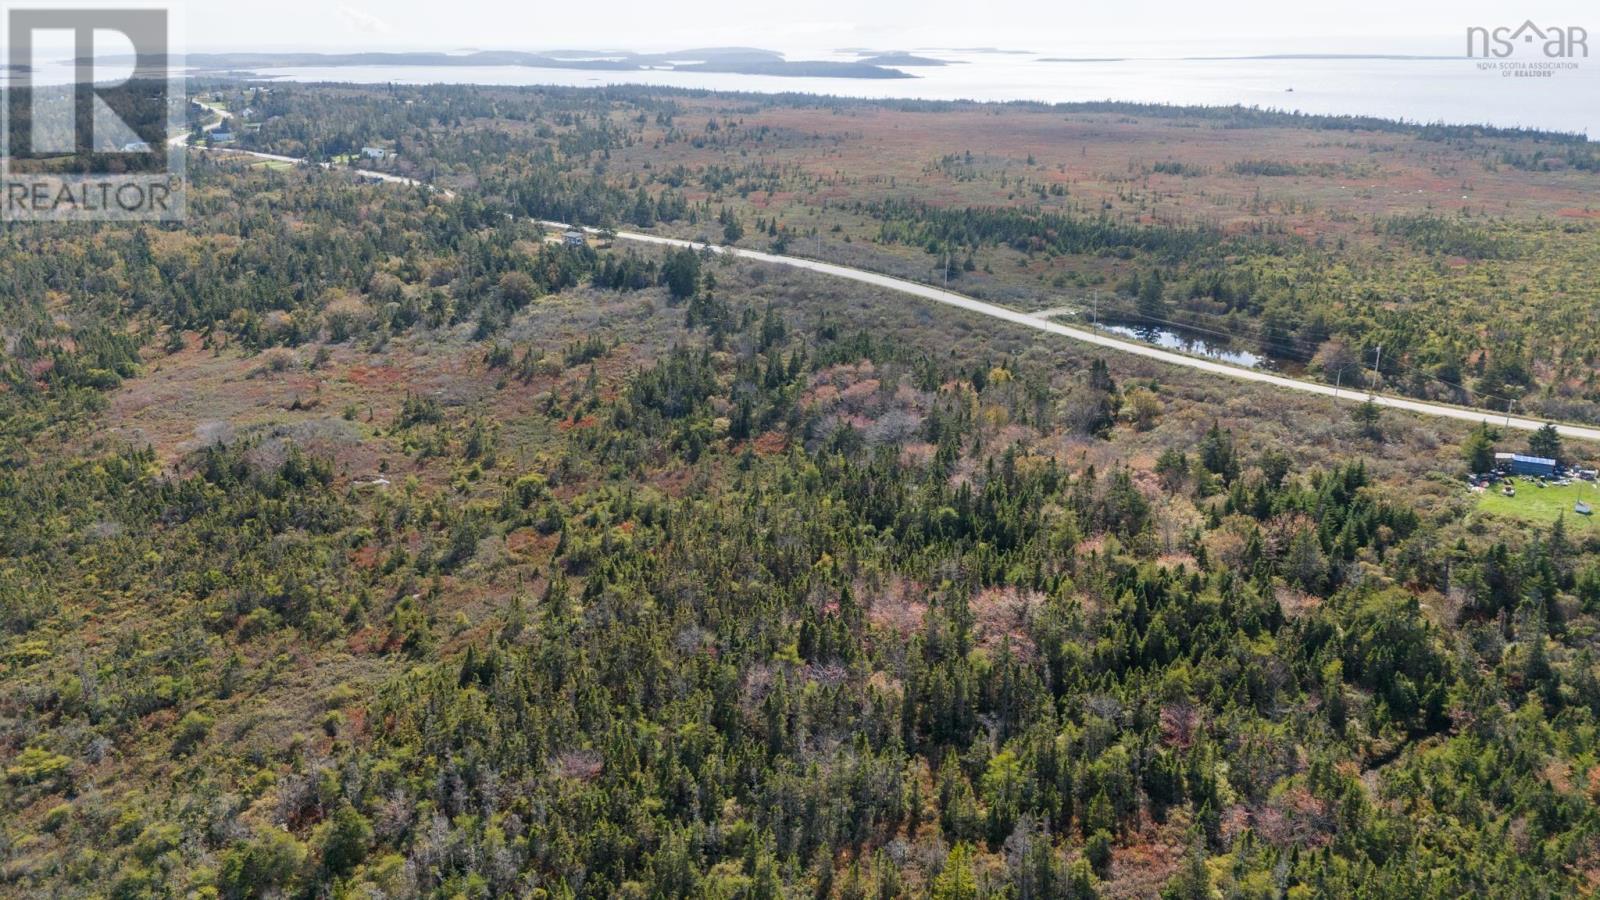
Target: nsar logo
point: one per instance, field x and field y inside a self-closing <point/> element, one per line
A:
<point x="1556" y="42"/>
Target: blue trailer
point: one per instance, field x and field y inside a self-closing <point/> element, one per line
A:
<point x="1530" y="466"/>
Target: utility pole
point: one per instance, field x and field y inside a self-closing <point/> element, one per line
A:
<point x="1338" y="379"/>
<point x="1510" y="406"/>
<point x="1372" y="389"/>
<point x="947" y="268"/>
<point x="1096" y="319"/>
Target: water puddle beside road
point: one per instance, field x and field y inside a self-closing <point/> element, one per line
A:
<point x="1197" y="345"/>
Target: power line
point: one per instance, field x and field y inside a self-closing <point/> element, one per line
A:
<point x="1292" y="348"/>
<point x="1270" y="344"/>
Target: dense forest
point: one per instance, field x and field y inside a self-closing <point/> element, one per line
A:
<point x="356" y="540"/>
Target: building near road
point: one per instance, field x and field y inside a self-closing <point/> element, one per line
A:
<point x="1532" y="466"/>
<point x="222" y="137"/>
<point x="574" y="239"/>
<point x="375" y="152"/>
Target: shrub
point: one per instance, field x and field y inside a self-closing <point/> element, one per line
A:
<point x="191" y="730"/>
<point x="259" y="868"/>
<point x="344" y="839"/>
<point x="35" y="765"/>
<point x="57" y="818"/>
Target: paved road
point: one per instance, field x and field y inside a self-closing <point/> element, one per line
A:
<point x="225" y="115"/>
<point x="1039" y="323"/>
<point x="222" y="116"/>
<point x="1100" y="339"/>
<point x="363" y="173"/>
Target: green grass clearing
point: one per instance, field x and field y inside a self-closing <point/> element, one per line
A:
<point x="1543" y="505"/>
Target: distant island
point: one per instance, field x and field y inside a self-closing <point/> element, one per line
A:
<point x="1266" y="56"/>
<point x="1319" y="56"/>
<point x="983" y="50"/>
<point x="798" y="68"/>
<point x="904" y="59"/>
<point x="733" y="60"/>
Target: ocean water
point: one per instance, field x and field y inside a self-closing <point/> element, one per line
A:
<point x="1453" y="90"/>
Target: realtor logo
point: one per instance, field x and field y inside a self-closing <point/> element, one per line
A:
<point x="86" y="125"/>
<point x="1555" y="42"/>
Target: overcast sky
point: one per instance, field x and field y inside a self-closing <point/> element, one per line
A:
<point x="1067" y="25"/>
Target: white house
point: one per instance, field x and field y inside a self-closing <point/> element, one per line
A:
<point x="375" y="152"/>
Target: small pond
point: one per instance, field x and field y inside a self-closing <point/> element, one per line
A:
<point x="1196" y="344"/>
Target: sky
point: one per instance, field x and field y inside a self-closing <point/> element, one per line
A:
<point x="1126" y="27"/>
